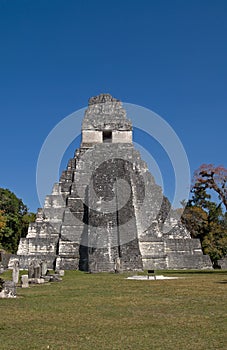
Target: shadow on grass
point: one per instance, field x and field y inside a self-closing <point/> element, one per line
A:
<point x="194" y="272"/>
<point x="222" y="282"/>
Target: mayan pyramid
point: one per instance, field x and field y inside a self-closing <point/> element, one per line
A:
<point x="107" y="213"/>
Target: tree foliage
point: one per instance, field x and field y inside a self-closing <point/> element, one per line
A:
<point x="210" y="177"/>
<point x="2" y="220"/>
<point x="14" y="220"/>
<point x="204" y="218"/>
<point x="196" y="220"/>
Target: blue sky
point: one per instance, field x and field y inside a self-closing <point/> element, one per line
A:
<point x="168" y="56"/>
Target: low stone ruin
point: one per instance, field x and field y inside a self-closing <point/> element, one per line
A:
<point x="37" y="274"/>
<point x="223" y="263"/>
<point x="16" y="271"/>
<point x="24" y="281"/>
<point x="7" y="289"/>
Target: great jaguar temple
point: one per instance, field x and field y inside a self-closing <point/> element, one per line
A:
<point x="106" y="213"/>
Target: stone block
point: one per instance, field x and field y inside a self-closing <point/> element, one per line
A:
<point x="16" y="270"/>
<point x="76" y="205"/>
<point x="43" y="267"/>
<point x="8" y="290"/>
<point x="69" y="249"/>
<point x="61" y="273"/>
<point x="90" y="136"/>
<point x="67" y="263"/>
<point x="24" y="281"/>
<point x="36" y="280"/>
<point x="122" y="136"/>
<point x="223" y="263"/>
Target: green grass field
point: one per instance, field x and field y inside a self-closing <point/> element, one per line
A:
<point x="107" y="311"/>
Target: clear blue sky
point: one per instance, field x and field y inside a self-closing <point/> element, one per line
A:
<point x="168" y="56"/>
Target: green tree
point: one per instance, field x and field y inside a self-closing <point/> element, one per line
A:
<point x="214" y="242"/>
<point x="16" y="219"/>
<point x="214" y="178"/>
<point x="2" y="220"/>
<point x="2" y="223"/>
<point x="205" y="219"/>
<point x="196" y="221"/>
<point x="26" y="220"/>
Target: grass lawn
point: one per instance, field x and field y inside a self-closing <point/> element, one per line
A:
<point x="107" y="311"/>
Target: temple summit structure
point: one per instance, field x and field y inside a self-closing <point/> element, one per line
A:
<point x="106" y="213"/>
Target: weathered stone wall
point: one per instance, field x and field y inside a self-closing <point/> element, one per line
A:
<point x="223" y="263"/>
<point x="122" y="136"/>
<point x="90" y="136"/>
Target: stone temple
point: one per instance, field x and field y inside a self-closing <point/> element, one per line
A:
<point x="106" y="213"/>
